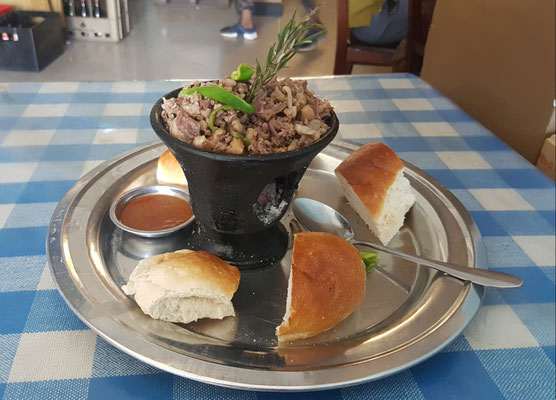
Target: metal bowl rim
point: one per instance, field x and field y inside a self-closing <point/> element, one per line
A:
<point x="141" y="191"/>
<point x="63" y="279"/>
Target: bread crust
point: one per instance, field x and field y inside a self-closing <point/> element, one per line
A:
<point x="370" y="171"/>
<point x="169" y="171"/>
<point x="327" y="284"/>
<point x="202" y="270"/>
<point x="188" y="271"/>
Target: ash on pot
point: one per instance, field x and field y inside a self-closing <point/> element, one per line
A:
<point x="270" y="204"/>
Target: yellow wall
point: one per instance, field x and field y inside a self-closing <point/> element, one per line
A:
<point x="495" y="59"/>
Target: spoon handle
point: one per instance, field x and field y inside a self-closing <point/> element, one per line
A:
<point x="480" y="276"/>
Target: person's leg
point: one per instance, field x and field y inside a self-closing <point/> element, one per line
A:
<point x="247" y="7"/>
<point x="309" y="7"/>
<point x="388" y="27"/>
<point x="247" y="18"/>
<point x="245" y="27"/>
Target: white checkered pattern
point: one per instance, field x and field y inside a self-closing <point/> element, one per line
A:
<point x="123" y="109"/>
<point x="497" y="327"/>
<point x="24" y="137"/>
<point x="128" y="87"/>
<point x="435" y="129"/>
<point x="413" y="104"/>
<point x="107" y="136"/>
<point x="45" y="110"/>
<point x="5" y="211"/>
<point x="500" y="199"/>
<point x="541" y="249"/>
<point x="347" y="106"/>
<point x="46" y="282"/>
<point x="402" y="83"/>
<point x="333" y="84"/>
<point x="359" y="130"/>
<point x="17" y="172"/>
<point x="53" y="356"/>
<point x="463" y="160"/>
<point x="89" y="165"/>
<point x="59" y="87"/>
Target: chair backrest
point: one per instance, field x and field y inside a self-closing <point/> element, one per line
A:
<point x="419" y="20"/>
<point x="342" y="37"/>
<point x="350" y="50"/>
<point x="495" y="59"/>
<point x="410" y="59"/>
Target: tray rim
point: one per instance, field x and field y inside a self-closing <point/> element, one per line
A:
<point x="468" y="307"/>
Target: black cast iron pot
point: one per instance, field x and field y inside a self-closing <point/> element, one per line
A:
<point x="238" y="200"/>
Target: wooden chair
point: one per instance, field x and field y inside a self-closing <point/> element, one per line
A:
<point x="420" y="18"/>
<point x="350" y="50"/>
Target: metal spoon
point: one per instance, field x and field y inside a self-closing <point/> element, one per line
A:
<point x="318" y="217"/>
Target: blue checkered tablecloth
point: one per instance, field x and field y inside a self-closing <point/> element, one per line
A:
<point x="52" y="133"/>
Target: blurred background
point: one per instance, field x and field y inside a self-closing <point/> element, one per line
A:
<point x="180" y="39"/>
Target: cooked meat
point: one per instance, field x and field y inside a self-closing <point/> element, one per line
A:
<point x="288" y="117"/>
<point x="184" y="127"/>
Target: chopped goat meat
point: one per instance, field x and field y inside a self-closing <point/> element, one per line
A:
<point x="184" y="127"/>
<point x="288" y="117"/>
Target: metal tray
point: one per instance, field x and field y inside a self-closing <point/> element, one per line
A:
<point x="409" y="312"/>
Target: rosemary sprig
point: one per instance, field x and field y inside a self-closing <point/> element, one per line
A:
<point x="290" y="39"/>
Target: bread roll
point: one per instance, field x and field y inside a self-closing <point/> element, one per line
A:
<point x="169" y="171"/>
<point x="327" y="282"/>
<point x="373" y="183"/>
<point x="184" y="286"/>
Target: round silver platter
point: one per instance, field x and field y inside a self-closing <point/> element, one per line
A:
<point x="408" y="314"/>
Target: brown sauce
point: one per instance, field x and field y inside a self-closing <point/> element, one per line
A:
<point x="155" y="212"/>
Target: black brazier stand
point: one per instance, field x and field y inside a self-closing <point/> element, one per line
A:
<point x="238" y="200"/>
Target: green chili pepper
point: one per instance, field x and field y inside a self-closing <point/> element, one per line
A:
<point x="369" y="259"/>
<point x="246" y="142"/>
<point x="213" y="116"/>
<point x="243" y="73"/>
<point x="222" y="96"/>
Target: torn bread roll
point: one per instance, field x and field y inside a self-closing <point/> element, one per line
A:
<point x="327" y="282"/>
<point x="184" y="286"/>
<point x="169" y="171"/>
<point x="372" y="181"/>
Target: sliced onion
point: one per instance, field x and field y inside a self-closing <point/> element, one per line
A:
<point x="271" y="127"/>
<point x="257" y="102"/>
<point x="274" y="109"/>
<point x="290" y="99"/>
<point x="304" y="130"/>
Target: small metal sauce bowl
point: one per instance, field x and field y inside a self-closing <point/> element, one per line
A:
<point x="124" y="199"/>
